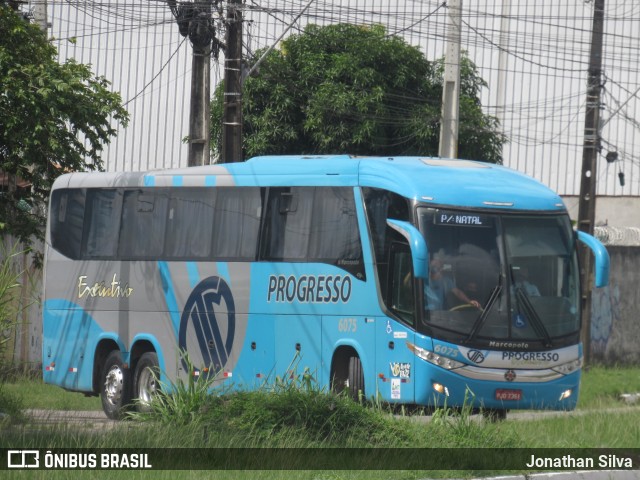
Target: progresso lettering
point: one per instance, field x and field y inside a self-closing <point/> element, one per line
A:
<point x="309" y="288"/>
<point x="531" y="356"/>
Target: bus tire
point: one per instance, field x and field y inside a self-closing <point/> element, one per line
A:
<point x="494" y="414"/>
<point x="355" y="378"/>
<point x="146" y="381"/>
<point x="115" y="388"/>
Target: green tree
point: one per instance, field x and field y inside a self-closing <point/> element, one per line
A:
<point x="354" y="89"/>
<point x="54" y="118"/>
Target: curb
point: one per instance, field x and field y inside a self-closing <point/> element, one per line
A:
<point x="577" y="475"/>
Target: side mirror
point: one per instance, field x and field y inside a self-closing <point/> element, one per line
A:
<point x="602" y="261"/>
<point x="419" y="251"/>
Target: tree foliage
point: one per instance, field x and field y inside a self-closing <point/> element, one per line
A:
<point x="354" y="89"/>
<point x="54" y="118"/>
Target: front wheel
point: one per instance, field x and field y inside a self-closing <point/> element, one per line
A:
<point x="494" y="414"/>
<point x="145" y="381"/>
<point x="115" y="391"/>
<point x="356" y="378"/>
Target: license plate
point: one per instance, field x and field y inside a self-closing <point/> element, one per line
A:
<point x="504" y="394"/>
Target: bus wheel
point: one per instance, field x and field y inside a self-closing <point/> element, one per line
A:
<point x="494" y="414"/>
<point x="355" y="381"/>
<point x="116" y="386"/>
<point x="145" y="381"/>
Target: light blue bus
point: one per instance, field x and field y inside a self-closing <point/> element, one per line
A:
<point x="418" y="281"/>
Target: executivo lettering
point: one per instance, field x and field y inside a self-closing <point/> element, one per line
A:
<point x="115" y="289"/>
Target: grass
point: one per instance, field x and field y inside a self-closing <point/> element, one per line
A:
<point x="602" y="386"/>
<point x="599" y="429"/>
<point x="34" y="394"/>
<point x="297" y="415"/>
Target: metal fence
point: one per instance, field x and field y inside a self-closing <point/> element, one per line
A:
<point x="618" y="236"/>
<point x="532" y="53"/>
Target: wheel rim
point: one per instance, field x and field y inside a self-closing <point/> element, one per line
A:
<point x="113" y="383"/>
<point x="147" y="386"/>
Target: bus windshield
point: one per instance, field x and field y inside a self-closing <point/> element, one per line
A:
<point x="500" y="281"/>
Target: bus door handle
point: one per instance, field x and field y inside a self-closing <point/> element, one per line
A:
<point x="392" y="345"/>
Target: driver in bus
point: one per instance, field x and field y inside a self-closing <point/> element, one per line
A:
<point x="521" y="276"/>
<point x="440" y="285"/>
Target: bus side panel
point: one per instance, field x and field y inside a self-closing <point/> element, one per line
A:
<point x="68" y="345"/>
<point x="208" y="304"/>
<point x="201" y="308"/>
<point x="395" y="363"/>
<point x="297" y="347"/>
<point x="256" y="364"/>
<point x="305" y="302"/>
<point x="356" y="332"/>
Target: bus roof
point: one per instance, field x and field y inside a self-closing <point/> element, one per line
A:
<point x="436" y="181"/>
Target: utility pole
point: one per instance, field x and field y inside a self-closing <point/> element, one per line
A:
<point x="199" y="116"/>
<point x="40" y="15"/>
<point x="232" y="113"/>
<point x="194" y="21"/>
<point x="591" y="149"/>
<point x="450" y="120"/>
<point x="503" y="59"/>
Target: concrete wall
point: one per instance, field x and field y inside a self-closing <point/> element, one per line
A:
<point x="25" y="333"/>
<point x="613" y="211"/>
<point x="615" y="311"/>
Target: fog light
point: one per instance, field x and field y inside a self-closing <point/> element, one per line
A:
<point x="438" y="387"/>
<point x="566" y="394"/>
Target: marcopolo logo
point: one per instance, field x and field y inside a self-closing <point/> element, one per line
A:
<point x="209" y="316"/>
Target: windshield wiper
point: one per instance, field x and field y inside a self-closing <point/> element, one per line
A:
<point x="531" y="313"/>
<point x="477" y="325"/>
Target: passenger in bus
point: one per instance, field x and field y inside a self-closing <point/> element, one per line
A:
<point x="440" y="285"/>
<point x="521" y="276"/>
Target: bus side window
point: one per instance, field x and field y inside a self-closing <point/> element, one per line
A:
<point x="288" y="223"/>
<point x="401" y="295"/>
<point x="236" y="224"/>
<point x="144" y="216"/>
<point x="313" y="224"/>
<point x="67" y="221"/>
<point x="335" y="235"/>
<point x="103" y="218"/>
<point x="190" y="222"/>
<point x="381" y="205"/>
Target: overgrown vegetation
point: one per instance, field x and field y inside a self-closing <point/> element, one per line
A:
<point x="56" y="117"/>
<point x="291" y="409"/>
<point x="355" y="89"/>
<point x="10" y="290"/>
<point x="293" y="413"/>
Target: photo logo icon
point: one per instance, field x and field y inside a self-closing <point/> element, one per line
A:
<point x="23" y="459"/>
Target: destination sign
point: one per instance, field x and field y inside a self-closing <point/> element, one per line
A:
<point x="463" y="219"/>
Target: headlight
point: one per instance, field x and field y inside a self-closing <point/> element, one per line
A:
<point x="433" y="358"/>
<point x="567" y="368"/>
<point x="566" y="394"/>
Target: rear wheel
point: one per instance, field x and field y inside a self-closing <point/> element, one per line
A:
<point x="115" y="390"/>
<point x="145" y="381"/>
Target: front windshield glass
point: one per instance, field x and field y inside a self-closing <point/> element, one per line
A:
<point x="500" y="280"/>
